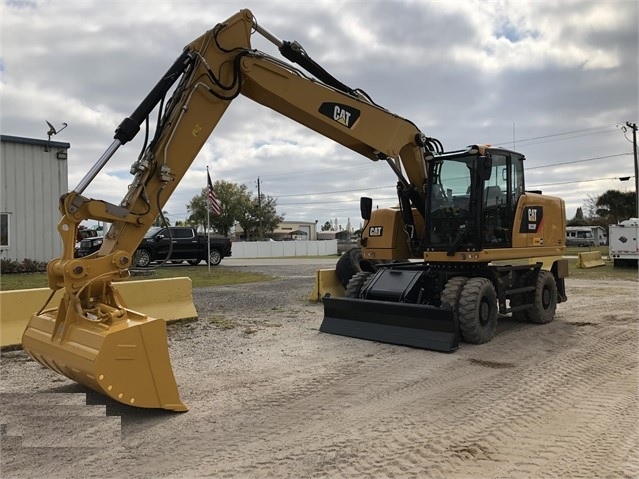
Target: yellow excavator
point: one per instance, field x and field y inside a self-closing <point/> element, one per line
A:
<point x="465" y="242"/>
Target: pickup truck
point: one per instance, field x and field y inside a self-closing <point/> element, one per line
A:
<point x="187" y="245"/>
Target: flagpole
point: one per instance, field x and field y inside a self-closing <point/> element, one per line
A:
<point x="208" y="240"/>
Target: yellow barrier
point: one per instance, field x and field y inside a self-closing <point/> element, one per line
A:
<point x="170" y="299"/>
<point x="591" y="259"/>
<point x="326" y="282"/>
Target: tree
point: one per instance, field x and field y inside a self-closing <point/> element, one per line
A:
<point x="234" y="199"/>
<point x="260" y="217"/>
<point x="578" y="220"/>
<point x="615" y="205"/>
<point x="327" y="226"/>
<point x="590" y="205"/>
<point x="160" y="222"/>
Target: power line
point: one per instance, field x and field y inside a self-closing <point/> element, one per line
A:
<point x="332" y="192"/>
<point x="593" y="130"/>
<point x="581" y="181"/>
<point x="333" y="202"/>
<point x="577" y="161"/>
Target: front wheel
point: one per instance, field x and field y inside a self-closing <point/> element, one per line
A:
<point x="545" y="304"/>
<point x="452" y="292"/>
<point x="142" y="258"/>
<point x="357" y="284"/>
<point x="477" y="311"/>
<point x="215" y="257"/>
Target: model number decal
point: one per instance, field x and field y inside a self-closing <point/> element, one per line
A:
<point x="531" y="220"/>
<point x="375" y="231"/>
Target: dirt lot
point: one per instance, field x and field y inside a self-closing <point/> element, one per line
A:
<point x="270" y="396"/>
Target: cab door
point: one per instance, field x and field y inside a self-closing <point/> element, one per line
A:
<point x="499" y="199"/>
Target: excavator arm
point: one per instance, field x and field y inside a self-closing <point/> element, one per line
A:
<point x="91" y="336"/>
<point x="212" y="71"/>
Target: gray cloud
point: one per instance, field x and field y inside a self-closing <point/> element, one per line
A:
<point x="464" y="72"/>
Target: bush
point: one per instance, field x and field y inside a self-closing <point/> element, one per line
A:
<point x="10" y="266"/>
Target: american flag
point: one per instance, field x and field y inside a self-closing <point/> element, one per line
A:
<point x="216" y="209"/>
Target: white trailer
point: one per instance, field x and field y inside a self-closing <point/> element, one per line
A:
<point x="623" y="246"/>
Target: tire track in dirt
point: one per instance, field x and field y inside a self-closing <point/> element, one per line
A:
<point x="509" y="417"/>
<point x="553" y="400"/>
<point x="509" y="420"/>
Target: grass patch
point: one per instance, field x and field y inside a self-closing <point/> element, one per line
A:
<point x="606" y="272"/>
<point x="199" y="277"/>
<point x="575" y="250"/>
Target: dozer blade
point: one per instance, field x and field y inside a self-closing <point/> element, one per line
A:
<point x="406" y="324"/>
<point x="127" y="361"/>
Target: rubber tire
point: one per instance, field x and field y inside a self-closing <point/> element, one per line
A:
<point x="193" y="262"/>
<point x="452" y="291"/>
<point x="545" y="304"/>
<point x="348" y="265"/>
<point x="215" y="257"/>
<point x="357" y="283"/>
<point x="477" y="311"/>
<point x="142" y="258"/>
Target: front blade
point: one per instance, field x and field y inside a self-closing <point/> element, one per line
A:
<point x="415" y="325"/>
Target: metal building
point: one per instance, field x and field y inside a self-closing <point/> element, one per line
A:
<point x="33" y="176"/>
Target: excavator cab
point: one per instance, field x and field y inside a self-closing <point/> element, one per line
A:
<point x="472" y="200"/>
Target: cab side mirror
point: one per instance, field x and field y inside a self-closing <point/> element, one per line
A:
<point x="484" y="167"/>
<point x="366" y="207"/>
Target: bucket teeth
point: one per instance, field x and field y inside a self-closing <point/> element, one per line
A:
<point x="127" y="361"/>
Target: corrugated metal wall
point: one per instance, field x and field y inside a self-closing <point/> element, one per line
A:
<point x="32" y="181"/>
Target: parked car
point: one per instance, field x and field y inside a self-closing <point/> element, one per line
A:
<point x="184" y="243"/>
<point x="577" y="236"/>
<point x="89" y="243"/>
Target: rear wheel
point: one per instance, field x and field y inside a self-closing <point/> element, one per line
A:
<point x="357" y="283"/>
<point x="545" y="304"/>
<point x="215" y="257"/>
<point x="142" y="258"/>
<point x="477" y="311"/>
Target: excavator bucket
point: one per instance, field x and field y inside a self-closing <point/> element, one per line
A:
<point x="125" y="358"/>
<point x="406" y="324"/>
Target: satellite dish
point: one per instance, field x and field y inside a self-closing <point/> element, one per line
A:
<point x="52" y="131"/>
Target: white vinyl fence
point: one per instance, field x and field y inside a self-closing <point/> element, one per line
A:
<point x="278" y="249"/>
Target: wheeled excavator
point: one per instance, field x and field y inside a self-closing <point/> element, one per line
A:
<point x="465" y="242"/>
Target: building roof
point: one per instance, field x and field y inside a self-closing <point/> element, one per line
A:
<point x="34" y="141"/>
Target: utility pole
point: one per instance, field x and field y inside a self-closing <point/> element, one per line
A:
<point x="259" y="207"/>
<point x="633" y="127"/>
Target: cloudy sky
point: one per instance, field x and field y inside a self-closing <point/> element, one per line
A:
<point x="556" y="80"/>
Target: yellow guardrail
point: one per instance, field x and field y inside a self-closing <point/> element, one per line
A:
<point x="326" y="282"/>
<point x="170" y="299"/>
<point x="591" y="259"/>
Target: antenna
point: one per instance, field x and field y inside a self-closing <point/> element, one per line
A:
<point x="52" y="131"/>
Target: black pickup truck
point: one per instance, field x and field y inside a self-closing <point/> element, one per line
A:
<point x="187" y="245"/>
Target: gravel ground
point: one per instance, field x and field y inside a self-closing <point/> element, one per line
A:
<point x="271" y="396"/>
